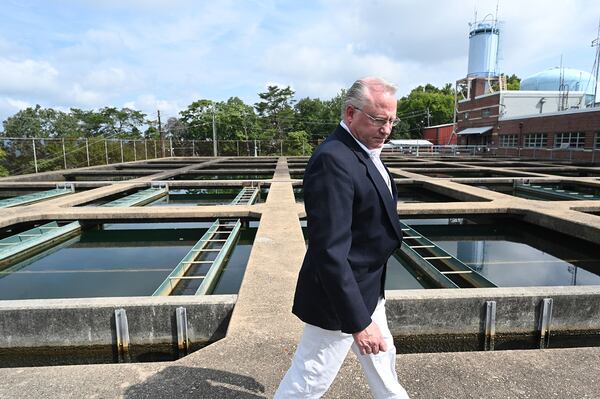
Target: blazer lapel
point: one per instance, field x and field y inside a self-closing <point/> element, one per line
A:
<point x="389" y="200"/>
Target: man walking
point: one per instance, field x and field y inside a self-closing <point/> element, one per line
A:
<point x="353" y="229"/>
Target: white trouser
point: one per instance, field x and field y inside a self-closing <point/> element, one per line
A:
<point x="320" y="355"/>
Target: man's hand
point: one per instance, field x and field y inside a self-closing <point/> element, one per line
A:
<point x="370" y="340"/>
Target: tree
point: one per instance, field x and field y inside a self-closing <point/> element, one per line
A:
<point x="424" y="105"/>
<point x="40" y="122"/>
<point x="90" y="122"/>
<point x="236" y="120"/>
<point x="276" y="111"/>
<point x="513" y="82"/>
<point x="174" y="127"/>
<point x="297" y="143"/>
<point x="314" y="117"/>
<point x="122" y="123"/>
<point x="110" y="122"/>
<point x="3" y="170"/>
<point x="198" y="120"/>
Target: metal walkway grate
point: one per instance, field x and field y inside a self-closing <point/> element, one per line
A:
<point x="140" y="198"/>
<point x="554" y="192"/>
<point x="437" y="264"/>
<point x="22" y="244"/>
<point x="198" y="271"/>
<point x="247" y="196"/>
<point x="27" y="199"/>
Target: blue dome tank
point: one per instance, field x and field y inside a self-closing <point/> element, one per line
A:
<point x="549" y="80"/>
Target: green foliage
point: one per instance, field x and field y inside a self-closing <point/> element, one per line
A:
<point x="297" y="143"/>
<point x="121" y="123"/>
<point x="48" y="122"/>
<point x="3" y="170"/>
<point x="318" y="117"/>
<point x="412" y="110"/>
<point x="40" y="122"/>
<point x="234" y="120"/>
<point x="277" y="116"/>
<point x="197" y="120"/>
<point x="275" y="111"/>
<point x="513" y="82"/>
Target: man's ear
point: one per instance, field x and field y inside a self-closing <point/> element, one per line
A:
<point x="349" y="113"/>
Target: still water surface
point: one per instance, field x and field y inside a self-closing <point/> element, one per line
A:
<point x="128" y="259"/>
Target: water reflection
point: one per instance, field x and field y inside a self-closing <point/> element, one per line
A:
<point x="512" y="253"/>
<point x="125" y="259"/>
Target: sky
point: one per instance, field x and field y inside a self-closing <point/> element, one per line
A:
<point x="158" y="54"/>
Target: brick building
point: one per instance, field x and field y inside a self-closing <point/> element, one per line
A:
<point x="440" y="134"/>
<point x="527" y="123"/>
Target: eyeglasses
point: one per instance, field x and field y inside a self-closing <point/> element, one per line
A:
<point x="380" y="122"/>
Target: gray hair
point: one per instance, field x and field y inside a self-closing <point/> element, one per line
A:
<point x="357" y="94"/>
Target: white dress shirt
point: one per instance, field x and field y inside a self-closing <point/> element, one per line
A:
<point x="374" y="155"/>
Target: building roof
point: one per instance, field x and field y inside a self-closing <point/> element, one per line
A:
<point x="411" y="142"/>
<point x="475" y="130"/>
<point x="436" y="126"/>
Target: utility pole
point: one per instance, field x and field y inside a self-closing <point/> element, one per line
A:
<point x="596" y="43"/>
<point x="428" y="117"/>
<point x="214" y="127"/>
<point x="160" y="132"/>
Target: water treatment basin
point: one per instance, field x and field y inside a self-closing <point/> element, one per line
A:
<point x="117" y="259"/>
<point x="203" y="196"/>
<point x="208" y="175"/>
<point x="562" y="191"/>
<point x="504" y="250"/>
<point x="407" y="193"/>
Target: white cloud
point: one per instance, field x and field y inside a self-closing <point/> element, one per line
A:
<point x="79" y="96"/>
<point x="26" y="76"/>
<point x="149" y="104"/>
<point x="106" y="78"/>
<point x="163" y="54"/>
<point x="16" y="104"/>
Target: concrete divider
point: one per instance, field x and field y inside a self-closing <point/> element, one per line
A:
<point x="91" y="322"/>
<point x="426" y="316"/>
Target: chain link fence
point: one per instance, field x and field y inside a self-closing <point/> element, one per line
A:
<point x="36" y="155"/>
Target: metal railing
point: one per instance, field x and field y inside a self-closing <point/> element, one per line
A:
<point x="549" y="154"/>
<point x="591" y="155"/>
<point x="439" y="150"/>
<point x="35" y="155"/>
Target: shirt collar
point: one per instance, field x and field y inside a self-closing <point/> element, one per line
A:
<point x="374" y="153"/>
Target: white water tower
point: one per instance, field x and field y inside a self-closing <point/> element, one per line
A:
<point x="484" y="39"/>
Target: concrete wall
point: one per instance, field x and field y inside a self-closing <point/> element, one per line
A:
<point x="522" y="103"/>
<point x="91" y="322"/>
<point x="462" y="312"/>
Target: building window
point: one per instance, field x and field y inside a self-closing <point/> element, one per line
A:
<point x="597" y="141"/>
<point x="508" y="140"/>
<point x="538" y="140"/>
<point x="569" y="140"/>
<point x="485" y="113"/>
<point x="466" y="115"/>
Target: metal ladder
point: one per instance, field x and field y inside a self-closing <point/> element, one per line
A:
<point x="197" y="273"/>
<point x="443" y="269"/>
<point x="553" y="192"/>
<point x="247" y="196"/>
<point x="141" y="198"/>
<point x="27" y="199"/>
<point x="23" y="244"/>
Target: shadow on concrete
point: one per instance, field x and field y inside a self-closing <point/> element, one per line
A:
<point x="189" y="382"/>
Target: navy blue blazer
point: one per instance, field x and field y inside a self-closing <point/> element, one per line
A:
<point x="353" y="229"/>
